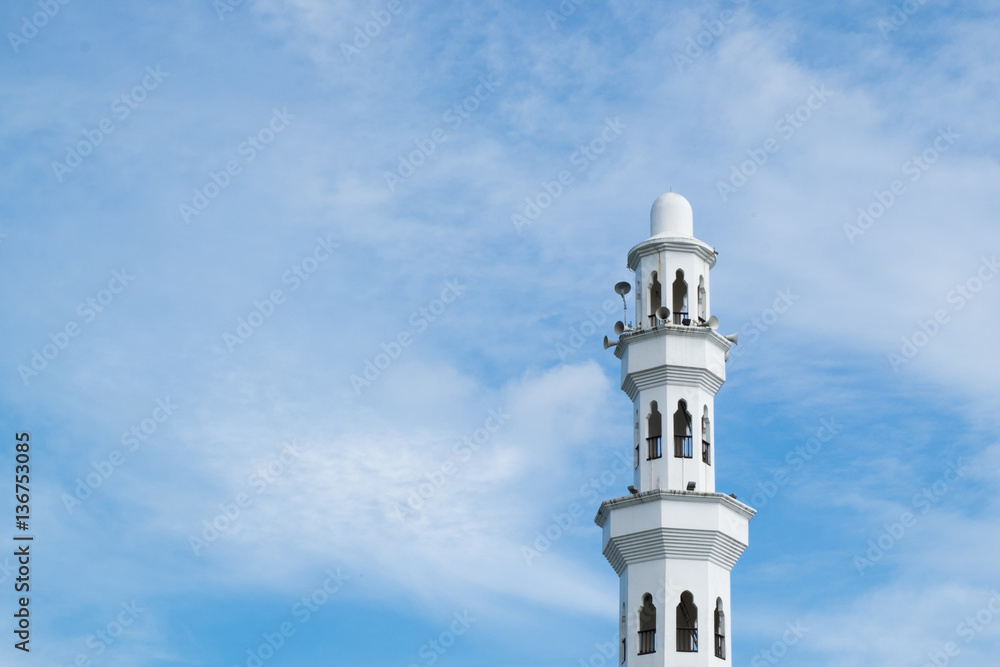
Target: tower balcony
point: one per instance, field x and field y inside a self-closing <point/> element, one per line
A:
<point x="692" y="355"/>
<point x="647" y="642"/>
<point x="683" y="449"/>
<point x="674" y="525"/>
<point x="654" y="447"/>
<point x="720" y="646"/>
<point x="679" y="318"/>
<point x="687" y="640"/>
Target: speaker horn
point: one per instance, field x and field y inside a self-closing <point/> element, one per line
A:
<point x="609" y="343"/>
<point x="619" y="328"/>
<point x="663" y="313"/>
<point x="713" y="322"/>
<point x="733" y="338"/>
<point x="623" y="288"/>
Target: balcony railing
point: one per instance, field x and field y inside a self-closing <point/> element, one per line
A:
<point x="647" y="641"/>
<point x="706" y="452"/>
<point x="720" y="646"/>
<point x="683" y="447"/>
<point x="680" y="316"/>
<point x="687" y="640"/>
<point x="655" y="447"/>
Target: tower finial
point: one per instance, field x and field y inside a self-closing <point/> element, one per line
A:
<point x="671" y="215"/>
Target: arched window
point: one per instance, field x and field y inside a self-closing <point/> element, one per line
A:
<point x="720" y="630"/>
<point x="654" y="432"/>
<point x="702" y="305"/>
<point x="655" y="298"/>
<point x="706" y="438"/>
<point x="623" y="633"/>
<point x="647" y="626"/>
<point x="680" y="291"/>
<point x="687" y="624"/>
<point x="682" y="432"/>
<point x="636" y="438"/>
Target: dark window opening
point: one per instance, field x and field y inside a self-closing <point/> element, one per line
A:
<point x="706" y="438"/>
<point x="720" y="630"/>
<point x="680" y="298"/>
<point x="683" y="447"/>
<point x="687" y="624"/>
<point x="654" y="433"/>
<point x="647" y="626"/>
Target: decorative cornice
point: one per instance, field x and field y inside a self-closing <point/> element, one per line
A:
<point x="673" y="543"/>
<point x="663" y="330"/>
<point x="656" y="495"/>
<point x="655" y="244"/>
<point x="658" y="376"/>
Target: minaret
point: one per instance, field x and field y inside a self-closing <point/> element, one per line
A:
<point x="674" y="540"/>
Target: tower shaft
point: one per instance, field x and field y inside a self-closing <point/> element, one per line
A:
<point x="674" y="541"/>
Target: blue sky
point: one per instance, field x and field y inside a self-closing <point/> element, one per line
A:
<point x="217" y="218"/>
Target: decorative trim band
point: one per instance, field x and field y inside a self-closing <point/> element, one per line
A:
<point x="673" y="543"/>
<point x="695" y="330"/>
<point x="656" y="495"/>
<point x="654" y="245"/>
<point x="687" y="376"/>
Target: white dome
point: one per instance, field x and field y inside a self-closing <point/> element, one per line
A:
<point x="671" y="216"/>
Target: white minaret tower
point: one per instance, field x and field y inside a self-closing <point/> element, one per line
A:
<point x="673" y="541"/>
